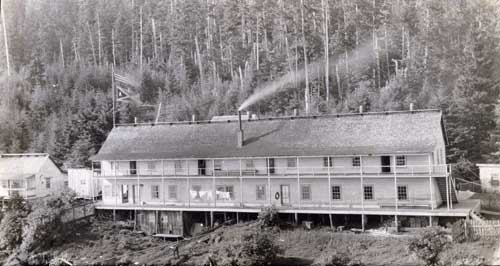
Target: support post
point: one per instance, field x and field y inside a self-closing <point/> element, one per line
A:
<point x="363" y="222"/>
<point x="241" y="185"/>
<point x="296" y="218"/>
<point x="214" y="192"/>
<point x="430" y="220"/>
<point x="362" y="184"/>
<point x="92" y="188"/>
<point x="182" y="223"/>
<point x="452" y="188"/>
<point x="269" y="180"/>
<point x="156" y="221"/>
<point x="431" y="187"/>
<point x="237" y="217"/>
<point x="163" y="181"/>
<point x="116" y="185"/>
<point x="329" y="186"/>
<point x="447" y="193"/>
<point x="211" y="218"/>
<point x="395" y="192"/>
<point x="298" y="186"/>
<point x="331" y="220"/>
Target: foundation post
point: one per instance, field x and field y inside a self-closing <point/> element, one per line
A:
<point x="363" y="222"/>
<point x="114" y="215"/>
<point x="237" y="217"/>
<point x="430" y="220"/>
<point x="331" y="220"/>
<point x="296" y="218"/>
<point x="156" y="221"/>
<point x="211" y="219"/>
<point x="182" y="222"/>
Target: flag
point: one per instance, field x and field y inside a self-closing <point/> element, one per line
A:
<point x="127" y="89"/>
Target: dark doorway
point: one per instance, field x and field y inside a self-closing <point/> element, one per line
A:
<point x="386" y="164"/>
<point x="202" y="167"/>
<point x="133" y="167"/>
<point x="271" y="166"/>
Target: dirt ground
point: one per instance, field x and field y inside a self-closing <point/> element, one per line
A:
<point x="105" y="243"/>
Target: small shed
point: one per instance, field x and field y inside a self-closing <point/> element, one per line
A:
<point x="490" y="177"/>
<point x="82" y="182"/>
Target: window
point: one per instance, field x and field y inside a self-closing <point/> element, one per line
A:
<point x="172" y="192"/>
<point x="47" y="182"/>
<point x="151" y="165"/>
<point x="494" y="180"/>
<point x="291" y="163"/>
<point x="249" y="164"/>
<point x="261" y="192"/>
<point x="82" y="182"/>
<point x="305" y="191"/>
<point x="336" y="193"/>
<point x="178" y="165"/>
<point x="5" y="183"/>
<point x="400" y="160"/>
<point x="368" y="192"/>
<point x="218" y="165"/>
<point x="402" y="193"/>
<point x="225" y="192"/>
<point x="155" y="192"/>
<point x="356" y="161"/>
<point x="32" y="183"/>
<point x="327" y="161"/>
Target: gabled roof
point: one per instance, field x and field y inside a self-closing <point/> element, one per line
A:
<point x="343" y="134"/>
<point x="20" y="166"/>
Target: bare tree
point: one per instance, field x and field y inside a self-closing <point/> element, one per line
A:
<point x="5" y="38"/>
<point x="306" y="94"/>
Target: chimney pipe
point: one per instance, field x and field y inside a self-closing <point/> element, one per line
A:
<point x="135" y="120"/>
<point x="361" y="109"/>
<point x="295" y="112"/>
<point x="241" y="140"/>
<point x="193" y="117"/>
<point x="411" y="106"/>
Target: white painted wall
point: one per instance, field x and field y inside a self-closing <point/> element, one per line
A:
<point x="487" y="173"/>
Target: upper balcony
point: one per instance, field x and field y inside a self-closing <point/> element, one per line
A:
<point x="321" y="167"/>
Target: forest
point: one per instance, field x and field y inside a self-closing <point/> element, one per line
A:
<point x="206" y="57"/>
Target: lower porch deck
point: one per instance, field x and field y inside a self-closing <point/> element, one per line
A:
<point x="460" y="209"/>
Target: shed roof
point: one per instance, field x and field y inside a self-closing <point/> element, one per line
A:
<point x="346" y="134"/>
<point x="20" y="166"/>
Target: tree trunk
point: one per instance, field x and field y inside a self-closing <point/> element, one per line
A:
<point x="155" y="49"/>
<point x="198" y="55"/>
<point x="6" y="41"/>
<point x="141" y="43"/>
<point x="92" y="44"/>
<point x="306" y="93"/>
<point x="99" y="47"/>
<point x="62" y="52"/>
<point x="325" y="30"/>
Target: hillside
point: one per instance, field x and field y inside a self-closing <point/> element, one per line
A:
<point x="206" y="57"/>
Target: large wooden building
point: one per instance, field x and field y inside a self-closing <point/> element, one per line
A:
<point x="386" y="164"/>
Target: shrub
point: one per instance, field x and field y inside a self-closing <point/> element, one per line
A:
<point x="429" y="244"/>
<point x="11" y="225"/>
<point x="336" y="259"/>
<point x="269" y="217"/>
<point x="259" y="248"/>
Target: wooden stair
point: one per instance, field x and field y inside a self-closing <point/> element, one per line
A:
<point x="441" y="182"/>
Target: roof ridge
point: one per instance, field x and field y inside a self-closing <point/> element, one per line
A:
<point x="280" y="118"/>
